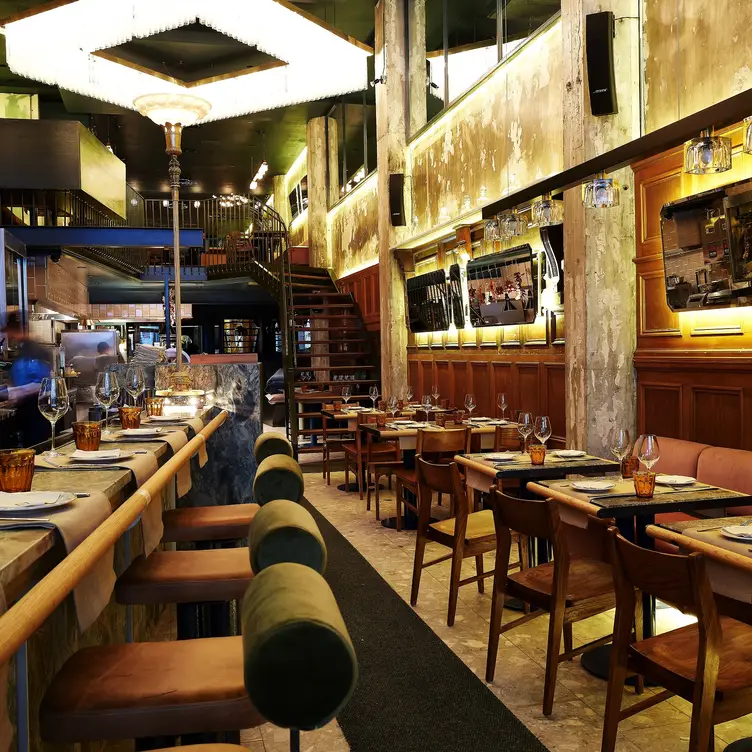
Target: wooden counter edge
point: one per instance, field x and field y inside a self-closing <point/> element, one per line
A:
<point x="563" y="498"/>
<point x="720" y="555"/>
<point x="481" y="467"/>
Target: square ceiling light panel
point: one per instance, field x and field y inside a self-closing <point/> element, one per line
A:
<point x="242" y="56"/>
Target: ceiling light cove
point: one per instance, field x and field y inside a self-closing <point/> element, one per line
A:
<point x="78" y="46"/>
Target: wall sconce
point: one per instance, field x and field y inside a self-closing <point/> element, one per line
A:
<point x="707" y="154"/>
<point x="547" y="212"/>
<point x="600" y="192"/>
<point x="747" y="148"/>
<point x="511" y="225"/>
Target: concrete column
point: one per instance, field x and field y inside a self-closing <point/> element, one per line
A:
<point x="320" y="132"/>
<point x="391" y="151"/>
<point x="281" y="203"/>
<point x="416" y="62"/>
<point x="599" y="244"/>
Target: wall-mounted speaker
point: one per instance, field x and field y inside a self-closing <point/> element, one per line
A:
<point x="397" y="199"/>
<point x="599" y="58"/>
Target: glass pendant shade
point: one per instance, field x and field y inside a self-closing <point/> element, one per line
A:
<point x="600" y="193"/>
<point x="491" y="230"/>
<point x="511" y="225"/>
<point x="548" y="212"/>
<point x="707" y="154"/>
<point x="172" y="108"/>
<point x="748" y="135"/>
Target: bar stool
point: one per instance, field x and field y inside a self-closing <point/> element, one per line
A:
<point x="268" y="444"/>
<point x="152" y="690"/>
<point x="278" y="477"/>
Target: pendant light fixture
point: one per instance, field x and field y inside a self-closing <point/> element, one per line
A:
<point x="707" y="154"/>
<point x="547" y="212"/>
<point x="511" y="225"/>
<point x="600" y="192"/>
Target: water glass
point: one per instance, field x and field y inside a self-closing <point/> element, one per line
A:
<point x="87" y="435"/>
<point x="537" y="454"/>
<point x="441" y="419"/>
<point x="154" y="406"/>
<point x="16" y="470"/>
<point x="628" y="465"/>
<point x="53" y="404"/>
<point x="130" y="417"/>
<point x="381" y="420"/>
<point x="644" y="483"/>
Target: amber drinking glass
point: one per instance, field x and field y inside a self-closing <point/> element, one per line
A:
<point x="537" y="453"/>
<point x="628" y="466"/>
<point x="130" y="417"/>
<point x="441" y="419"/>
<point x="154" y="406"/>
<point x="87" y="434"/>
<point x="460" y="416"/>
<point x="16" y="470"/>
<point x="381" y="420"/>
<point x="644" y="483"/>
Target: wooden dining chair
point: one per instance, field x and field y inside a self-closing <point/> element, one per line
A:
<point x="333" y="438"/>
<point x="466" y="534"/>
<point x="356" y="455"/>
<point x="506" y="439"/>
<point x="569" y="588"/>
<point x="436" y="446"/>
<point x="706" y="663"/>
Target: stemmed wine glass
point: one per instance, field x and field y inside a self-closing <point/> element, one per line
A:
<point x="525" y="426"/>
<point x="107" y="391"/>
<point x="435" y="393"/>
<point x="620" y="444"/>
<point x="373" y="393"/>
<point x="53" y="404"/>
<point x="346" y="392"/>
<point x="470" y="404"/>
<point x="134" y="382"/>
<point x="408" y="394"/>
<point x="542" y="428"/>
<point x="649" y="451"/>
<point x="391" y="405"/>
<point x="502" y="402"/>
<point x="426" y="402"/>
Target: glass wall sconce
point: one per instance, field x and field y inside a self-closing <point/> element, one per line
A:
<point x="707" y="154"/>
<point x="511" y="225"/>
<point x="747" y="135"/>
<point x="600" y="192"/>
<point x="547" y="212"/>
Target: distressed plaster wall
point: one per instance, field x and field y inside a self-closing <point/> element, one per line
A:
<point x="353" y="229"/>
<point x="503" y="136"/>
<point x="696" y="53"/>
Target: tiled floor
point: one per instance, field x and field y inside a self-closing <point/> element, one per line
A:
<point x="577" y="718"/>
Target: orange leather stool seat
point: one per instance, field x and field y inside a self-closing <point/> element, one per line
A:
<point x="145" y="689"/>
<point x="223" y="522"/>
<point x="221" y="574"/>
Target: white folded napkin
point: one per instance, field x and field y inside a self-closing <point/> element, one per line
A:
<point x="101" y="454"/>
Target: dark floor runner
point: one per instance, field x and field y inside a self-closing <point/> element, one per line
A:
<point x="414" y="694"/>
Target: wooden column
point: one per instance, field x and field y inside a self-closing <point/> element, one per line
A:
<point x="321" y="137"/>
<point x="391" y="148"/>
<point x="599" y="244"/>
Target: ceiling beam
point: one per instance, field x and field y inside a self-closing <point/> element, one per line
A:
<point x="724" y="113"/>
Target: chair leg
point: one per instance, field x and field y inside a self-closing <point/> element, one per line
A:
<point x="616" y="678"/>
<point x="555" y="629"/>
<point x="359" y="470"/>
<point x="398" y="500"/>
<point x="420" y="552"/>
<point x="454" y="581"/>
<point x="376" y="496"/>
<point x="638" y="625"/>
<point x="347" y="473"/>
<point x="568" y="638"/>
<point x="479" y="572"/>
<point x="497" y="609"/>
<point x="440" y="498"/>
<point x="368" y="490"/>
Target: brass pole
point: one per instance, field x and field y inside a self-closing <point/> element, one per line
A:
<point x="173" y="133"/>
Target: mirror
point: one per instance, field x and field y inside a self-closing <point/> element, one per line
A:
<point x="707" y="249"/>
<point x="299" y="198"/>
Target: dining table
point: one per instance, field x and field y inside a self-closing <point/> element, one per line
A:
<point x="633" y="516"/>
<point x="728" y="564"/>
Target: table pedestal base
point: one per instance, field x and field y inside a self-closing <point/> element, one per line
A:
<point x="743" y="745"/>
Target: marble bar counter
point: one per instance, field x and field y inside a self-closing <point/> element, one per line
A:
<point x="236" y="388"/>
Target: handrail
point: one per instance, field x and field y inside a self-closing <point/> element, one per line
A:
<point x="30" y="612"/>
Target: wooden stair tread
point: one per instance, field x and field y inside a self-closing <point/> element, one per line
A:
<point x="323" y="305"/>
<point x="334" y="368"/>
<point x="329" y="328"/>
<point x="340" y="383"/>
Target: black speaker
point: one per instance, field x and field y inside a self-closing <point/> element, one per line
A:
<point x="599" y="58"/>
<point x="397" y="199"/>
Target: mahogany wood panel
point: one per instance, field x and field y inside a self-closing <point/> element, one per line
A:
<point x="364" y="287"/>
<point x="532" y="381"/>
<point x="694" y="369"/>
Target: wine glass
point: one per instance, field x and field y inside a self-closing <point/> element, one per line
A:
<point x="426" y="402"/>
<point x="524" y="426"/>
<point x="501" y="400"/>
<point x="542" y="428"/>
<point x="53" y="404"/>
<point x="470" y="404"/>
<point x="373" y="393"/>
<point x="649" y="451"/>
<point x="134" y="382"/>
<point x="435" y="393"/>
<point x="408" y="394"/>
<point x="391" y="405"/>
<point x="107" y="391"/>
<point x="346" y="393"/>
<point x="620" y="444"/>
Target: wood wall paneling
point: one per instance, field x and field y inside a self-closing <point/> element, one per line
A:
<point x="552" y="396"/>
<point x="364" y="287"/>
<point x="481" y="387"/>
<point x="718" y="415"/>
<point x="660" y="408"/>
